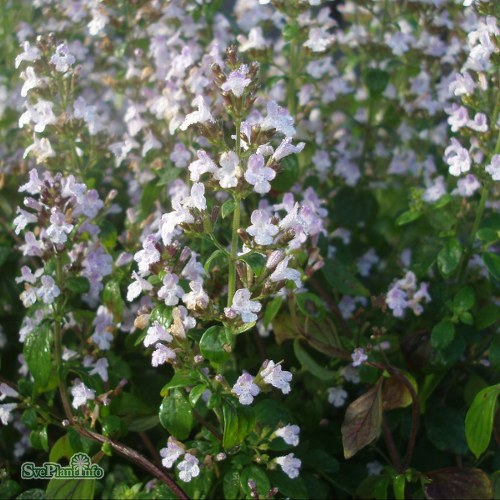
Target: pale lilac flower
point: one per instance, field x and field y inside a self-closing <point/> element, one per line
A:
<point x="197" y="297"/>
<point x="237" y="81"/>
<point x="374" y="468"/>
<point x="100" y="367"/>
<point x="62" y="59"/>
<point x="59" y="229"/>
<point x="290" y="434"/>
<point x="203" y="114"/>
<point x="162" y="354"/>
<point x="41" y="148"/>
<point x="284" y="273"/>
<point x="188" y="468"/>
<point x="31" y="81"/>
<point x="467" y="186"/>
<point x="367" y="261"/>
<point x="81" y="394"/>
<point x="88" y="113"/>
<point x="34" y="185"/>
<point x="180" y="155"/>
<point x="396" y="301"/>
<point x="255" y="40"/>
<point x="463" y="84"/>
<point x="103" y="326"/>
<point x="262" y="229"/>
<point x="171" y="453"/>
<point x="290" y="465"/>
<point x="459" y="117"/>
<point x="6" y="411"/>
<point x="273" y="374"/>
<point x="245" y="389"/>
<point x="278" y="118"/>
<point x="358" y="356"/>
<point x="7" y="392"/>
<point x="457" y="158"/>
<point x="170" y="292"/>
<point x="27" y="276"/>
<point x="230" y="170"/>
<point x="32" y="246"/>
<point x="337" y="396"/>
<point x="243" y="306"/>
<point x="258" y="175"/>
<point x="49" y="291"/>
<point x="479" y="124"/>
<point x="155" y="333"/>
<point x="286" y="148"/>
<point x="197" y="199"/>
<point x="435" y="191"/>
<point x="494" y="168"/>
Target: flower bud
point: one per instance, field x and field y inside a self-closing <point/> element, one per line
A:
<point x="274" y="259"/>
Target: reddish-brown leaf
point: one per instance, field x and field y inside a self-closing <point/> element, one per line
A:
<point x="455" y="482"/>
<point x="363" y="421"/>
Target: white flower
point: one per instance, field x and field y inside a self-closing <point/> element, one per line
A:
<point x="49" y="290"/>
<point x="81" y="394"/>
<point x="203" y="114"/>
<point x="290" y="434"/>
<point x="137" y="287"/>
<point x="494" y="168"/>
<point x="255" y="41"/>
<point x="230" y="170"/>
<point x="34" y="185"/>
<point x="201" y="166"/>
<point x="457" y="158"/>
<point x="41" y="148"/>
<point x="374" y="468"/>
<point x="463" y="84"/>
<point x="245" y="389"/>
<point x="337" y="396"/>
<point x="358" y="357"/>
<point x="197" y="199"/>
<point x="7" y="392"/>
<point x="273" y="374"/>
<point x="40" y="114"/>
<point x="148" y="255"/>
<point x="479" y="124"/>
<point x="290" y="465"/>
<point x="162" y="354"/>
<point x="155" y="333"/>
<point x="59" y="229"/>
<point x="237" y="81"/>
<point x="171" y="453"/>
<point x="468" y="185"/>
<point x="5" y="412"/>
<point x="31" y="81"/>
<point x="243" y="306"/>
<point x="284" y="273"/>
<point x="100" y="367"/>
<point x="319" y="39"/>
<point x="196" y="298"/>
<point x="262" y="229"/>
<point x="258" y="175"/>
<point x="188" y="468"/>
<point x="29" y="53"/>
<point x="23" y="219"/>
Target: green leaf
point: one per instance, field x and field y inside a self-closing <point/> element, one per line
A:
<point x="442" y="334"/>
<point x="458" y="482"/>
<point x="363" y="421"/>
<point x="445" y="429"/>
<point x="181" y="378"/>
<point x="9" y="489"/>
<point x="260" y="478"/>
<point x="61" y="448"/>
<point x="272" y="310"/>
<point x="342" y="280"/>
<point x="398" y="485"/>
<point x="214" y="342"/>
<point x="494" y="352"/>
<point x="176" y="414"/>
<point x="239" y="422"/>
<point x="39" y="439"/>
<point x="487" y="316"/>
<point x="255" y="260"/>
<point x="492" y="262"/>
<point x="108" y="235"/>
<point x="215" y="255"/>
<point x="38" y="354"/>
<point x="231" y="484"/>
<point x="112" y="298"/>
<point x="150" y="194"/>
<point x="227" y="208"/>
<point x="196" y="393"/>
<point x="310" y="304"/>
<point x="289" y="488"/>
<point x="479" y="420"/>
<point x="288" y="174"/>
<point x="65" y="489"/>
<point x="77" y="284"/>
<point x="487" y="236"/>
<point x="407" y="217"/>
<point x="449" y="257"/>
<point x="376" y="80"/>
<point x="32" y="494"/>
<point x="310" y="364"/>
<point x="464" y="299"/>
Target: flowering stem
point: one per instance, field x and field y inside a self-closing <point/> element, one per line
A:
<point x="58" y="343"/>
<point x="231" y="286"/>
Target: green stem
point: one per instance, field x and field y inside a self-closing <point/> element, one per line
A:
<point x="291" y="90"/>
<point x="58" y="344"/>
<point x="231" y="286"/>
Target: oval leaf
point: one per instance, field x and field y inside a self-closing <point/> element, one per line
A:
<point x="454" y="482"/>
<point x="176" y="414"/>
<point x="310" y="364"/>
